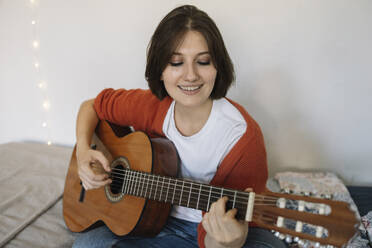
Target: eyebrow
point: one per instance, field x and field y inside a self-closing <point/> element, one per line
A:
<point x="201" y="53"/>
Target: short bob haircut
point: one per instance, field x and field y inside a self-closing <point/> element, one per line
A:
<point x="168" y="35"/>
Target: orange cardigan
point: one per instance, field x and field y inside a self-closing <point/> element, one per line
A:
<point x="245" y="166"/>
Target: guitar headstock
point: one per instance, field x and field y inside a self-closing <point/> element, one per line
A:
<point x="298" y="218"/>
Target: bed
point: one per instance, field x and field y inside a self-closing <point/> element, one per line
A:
<point x="32" y="181"/>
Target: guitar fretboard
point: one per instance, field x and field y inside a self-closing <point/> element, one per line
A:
<point x="177" y="191"/>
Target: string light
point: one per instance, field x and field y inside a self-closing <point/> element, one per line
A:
<point x="46" y="105"/>
<point x="41" y="83"/>
<point x="35" y="44"/>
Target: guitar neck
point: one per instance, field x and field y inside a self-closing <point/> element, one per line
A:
<point x="178" y="191"/>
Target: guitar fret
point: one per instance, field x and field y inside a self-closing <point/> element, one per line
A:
<point x="161" y="191"/>
<point x="233" y="206"/>
<point x="140" y="184"/>
<point x="130" y="182"/>
<point x="221" y="192"/>
<point x="143" y="183"/>
<point x="151" y="188"/>
<point x="183" y="183"/>
<point x="209" y="197"/>
<point x="188" y="200"/>
<point x="127" y="183"/>
<point x="135" y="182"/>
<point x="124" y="181"/>
<point x="197" y="204"/>
<point x="166" y="197"/>
<point x="157" y="181"/>
<point x="147" y="184"/>
<point x="174" y="190"/>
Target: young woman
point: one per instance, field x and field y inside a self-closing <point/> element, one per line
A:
<point x="189" y="73"/>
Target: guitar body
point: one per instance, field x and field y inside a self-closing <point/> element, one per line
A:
<point x="123" y="214"/>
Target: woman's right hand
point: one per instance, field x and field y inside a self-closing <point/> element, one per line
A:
<point x="93" y="168"/>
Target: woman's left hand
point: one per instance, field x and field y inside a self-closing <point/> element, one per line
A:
<point x="222" y="228"/>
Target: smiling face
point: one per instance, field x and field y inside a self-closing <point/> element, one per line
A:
<point x="190" y="75"/>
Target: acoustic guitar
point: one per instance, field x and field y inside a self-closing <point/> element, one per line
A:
<point x="145" y="186"/>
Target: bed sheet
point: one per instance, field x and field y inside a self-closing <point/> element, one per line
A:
<point x="31" y="182"/>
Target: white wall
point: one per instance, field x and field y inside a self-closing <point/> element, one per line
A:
<point x="303" y="71"/>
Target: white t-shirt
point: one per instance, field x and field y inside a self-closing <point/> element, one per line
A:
<point x="201" y="153"/>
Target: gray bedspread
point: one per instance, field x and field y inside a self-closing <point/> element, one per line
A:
<point x="31" y="186"/>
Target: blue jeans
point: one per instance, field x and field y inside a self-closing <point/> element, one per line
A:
<point x="176" y="233"/>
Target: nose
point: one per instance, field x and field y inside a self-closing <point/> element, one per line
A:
<point x="191" y="74"/>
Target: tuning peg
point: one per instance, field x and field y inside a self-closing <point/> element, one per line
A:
<point x="285" y="190"/>
<point x="326" y="196"/>
<point x="281" y="236"/>
<point x="301" y="242"/>
<point x="288" y="239"/>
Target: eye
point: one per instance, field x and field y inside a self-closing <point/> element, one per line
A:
<point x="175" y="63"/>
<point x="204" y="62"/>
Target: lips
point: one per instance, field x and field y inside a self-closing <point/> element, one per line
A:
<point x="190" y="88"/>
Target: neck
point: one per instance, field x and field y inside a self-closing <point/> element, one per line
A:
<point x="190" y="120"/>
<point x="181" y="192"/>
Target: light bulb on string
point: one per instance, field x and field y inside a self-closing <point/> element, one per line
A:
<point x="46" y="105"/>
<point x="35" y="44"/>
<point x="42" y="85"/>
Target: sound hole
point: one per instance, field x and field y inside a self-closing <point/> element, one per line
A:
<point x="117" y="176"/>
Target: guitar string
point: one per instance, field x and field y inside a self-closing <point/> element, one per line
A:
<point x="149" y="175"/>
<point x="177" y="198"/>
<point x="167" y="185"/>
<point x="170" y="186"/>
<point x="185" y="186"/>
<point x="256" y="211"/>
<point x="137" y="187"/>
<point x="141" y="178"/>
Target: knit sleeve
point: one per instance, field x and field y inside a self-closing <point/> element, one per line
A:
<point x="138" y="108"/>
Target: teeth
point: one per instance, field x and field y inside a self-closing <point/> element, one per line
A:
<point x="189" y="88"/>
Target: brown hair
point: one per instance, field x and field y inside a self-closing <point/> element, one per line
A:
<point x="167" y="37"/>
